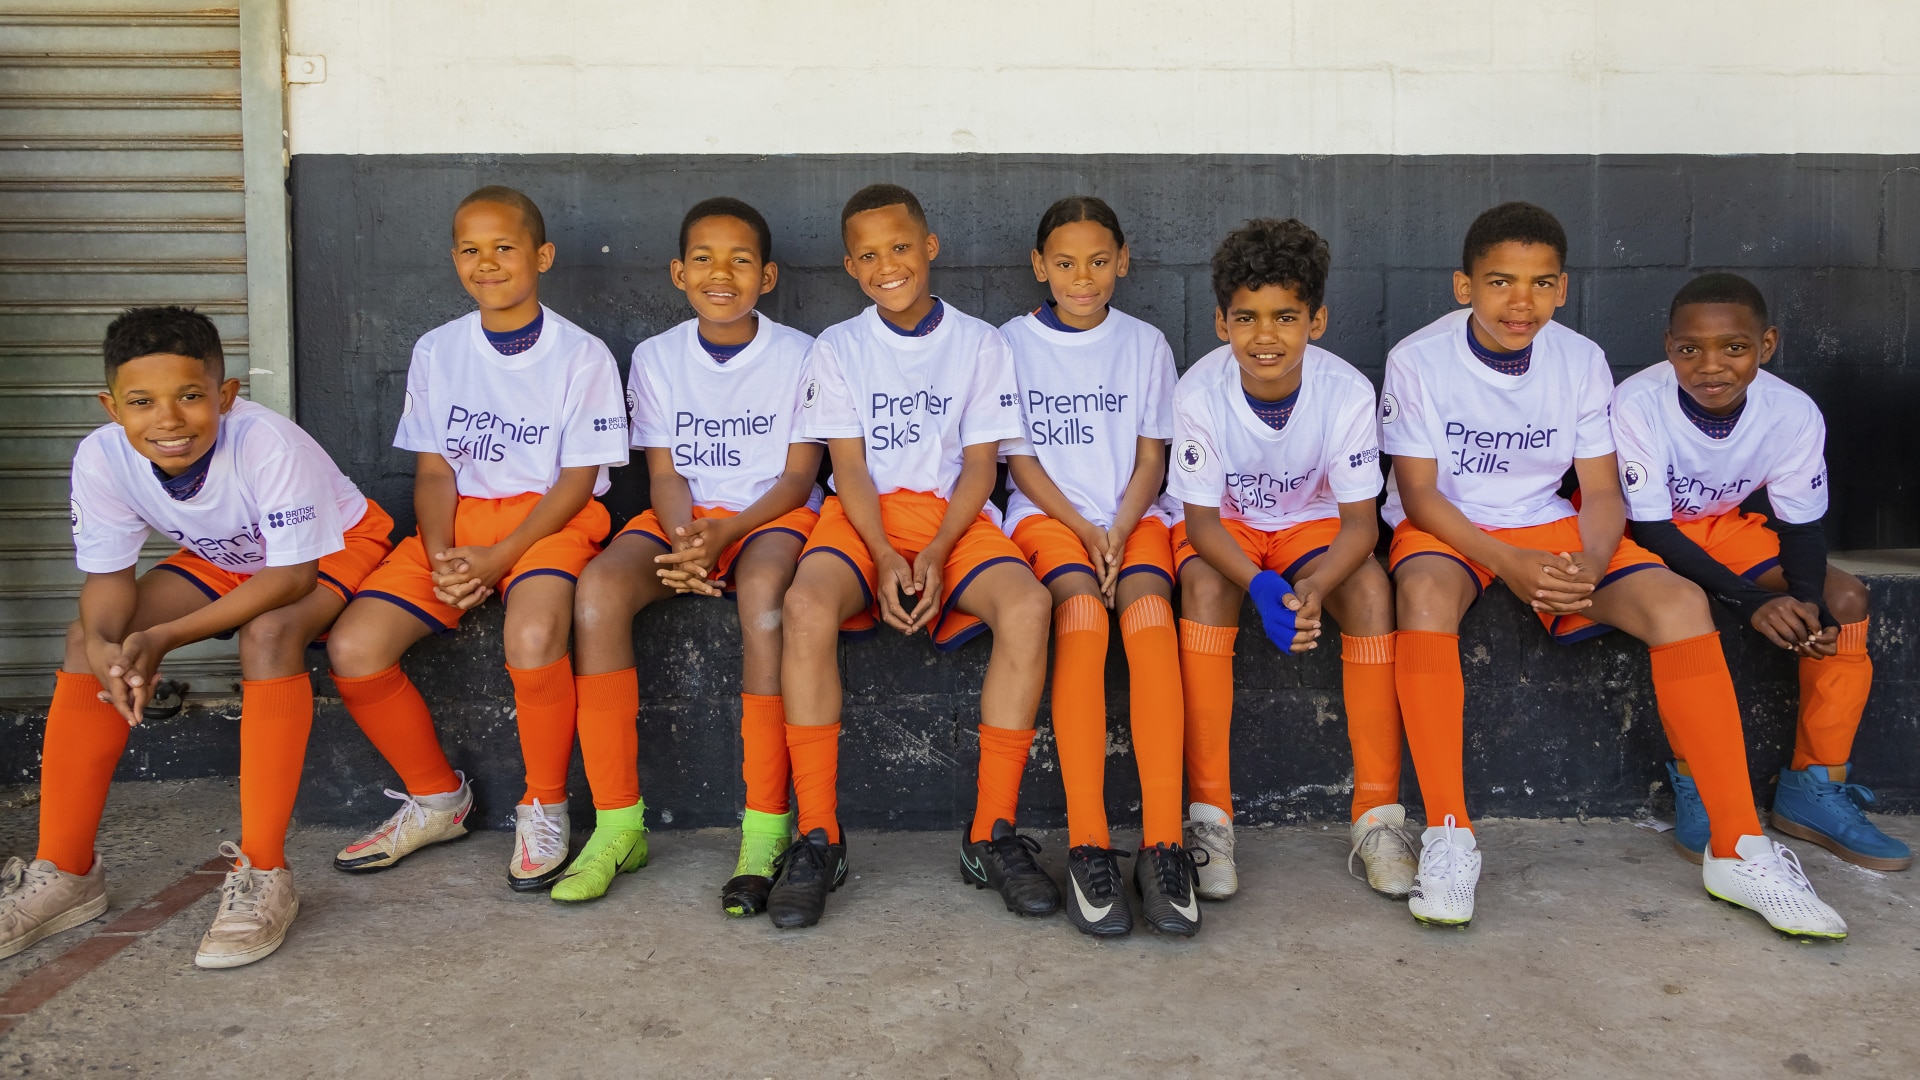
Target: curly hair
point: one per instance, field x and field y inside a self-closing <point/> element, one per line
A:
<point x="723" y="206"/>
<point x="1720" y="288"/>
<point x="1512" y="222"/>
<point x="175" y="330"/>
<point x="1268" y="251"/>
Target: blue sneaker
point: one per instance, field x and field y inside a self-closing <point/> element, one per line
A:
<point x="1690" y="830"/>
<point x="1829" y="813"/>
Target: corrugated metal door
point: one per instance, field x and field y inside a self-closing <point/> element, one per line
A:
<point x="120" y="184"/>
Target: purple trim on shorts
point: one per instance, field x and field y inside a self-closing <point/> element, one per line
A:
<point x="1303" y="560"/>
<point x="1479" y="590"/>
<point x="763" y="531"/>
<point x="1594" y="630"/>
<point x="345" y="593"/>
<point x="197" y="583"/>
<point x="1143" y="568"/>
<point x="544" y="571"/>
<point x="1625" y="570"/>
<point x="953" y="598"/>
<point x="1069" y="568"/>
<point x="1753" y="573"/>
<point x="851" y="565"/>
<point x="408" y="606"/>
<point x="655" y="537"/>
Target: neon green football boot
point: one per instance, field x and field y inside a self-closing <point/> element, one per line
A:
<point x="618" y="846"/>
<point x="762" y="838"/>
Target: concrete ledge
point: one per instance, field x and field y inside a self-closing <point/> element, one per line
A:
<point x="1552" y="731"/>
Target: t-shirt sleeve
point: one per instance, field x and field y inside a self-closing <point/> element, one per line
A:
<point x="1195" y="472"/>
<point x="594" y="420"/>
<point x="992" y="409"/>
<point x="651" y="426"/>
<point x="107" y="532"/>
<point x="1592" y="435"/>
<point x="1642" y="459"/>
<point x="1156" y="411"/>
<point x="1353" y="459"/>
<point x="299" y="519"/>
<point x="1799" y="493"/>
<point x="827" y="409"/>
<point x="416" y="411"/>
<point x="1403" y="412"/>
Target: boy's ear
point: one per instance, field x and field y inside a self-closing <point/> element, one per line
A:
<point x="769" y="277"/>
<point x="544" y="261"/>
<point x="847" y="262"/>
<point x="107" y="403"/>
<point x="1126" y="258"/>
<point x="1319" y="324"/>
<point x="933" y="247"/>
<point x="1462" y="288"/>
<point x="1769" y="343"/>
<point x="1220" y="324"/>
<point x="1560" y="298"/>
<point x="229" y="393"/>
<point x="1039" y="265"/>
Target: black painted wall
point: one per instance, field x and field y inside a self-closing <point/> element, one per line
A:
<point x="1833" y="239"/>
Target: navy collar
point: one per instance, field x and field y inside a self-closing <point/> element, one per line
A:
<point x="514" y="342"/>
<point x="1506" y="363"/>
<point x="187" y="484"/>
<point x="1713" y="427"/>
<point x="1050" y="319"/>
<point x="1274" y="414"/>
<point x="925" y="326"/>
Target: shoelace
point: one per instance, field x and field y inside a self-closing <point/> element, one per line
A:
<point x="1103" y="874"/>
<point x="1443" y="853"/>
<point x="1371" y="840"/>
<point x="1015" y="852"/>
<point x="801" y="863"/>
<point x="1212" y="832"/>
<point x="237" y="895"/>
<point x="1790" y="868"/>
<point x="411" y="810"/>
<point x="1174" y="868"/>
<point x="1848" y="799"/>
<point x="13" y="878"/>
<point x="546" y="843"/>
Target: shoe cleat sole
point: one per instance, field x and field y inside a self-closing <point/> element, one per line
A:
<point x="1795" y="935"/>
<point x="1814" y="836"/>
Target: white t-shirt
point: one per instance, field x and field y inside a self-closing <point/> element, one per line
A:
<point x="1502" y="442"/>
<point x="1671" y="470"/>
<point x="1224" y="455"/>
<point x="1086" y="399"/>
<point x="728" y="425"/>
<point x="509" y="424"/>
<point x="272" y="497"/>
<point x="917" y="401"/>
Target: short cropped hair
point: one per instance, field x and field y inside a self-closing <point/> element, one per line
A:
<point x="1513" y="222"/>
<point x="1720" y="288"/>
<point x="1078" y="208"/>
<point x="515" y="198"/>
<point x="724" y="206"/>
<point x="174" y="330"/>
<point x="879" y="196"/>
<point x="1268" y="251"/>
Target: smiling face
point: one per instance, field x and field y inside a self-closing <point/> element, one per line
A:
<point x="889" y="254"/>
<point x="498" y="264"/>
<point x="1514" y="289"/>
<point x="1269" y="328"/>
<point x="170" y="407"/>
<point x="723" y="276"/>
<point x="1081" y="264"/>
<point x="1716" y="351"/>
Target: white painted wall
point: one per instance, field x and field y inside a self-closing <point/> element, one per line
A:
<point x="1142" y="76"/>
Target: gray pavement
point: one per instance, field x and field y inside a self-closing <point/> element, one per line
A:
<point x="1594" y="953"/>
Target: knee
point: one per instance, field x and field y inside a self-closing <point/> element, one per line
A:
<point x="1419" y="600"/>
<point x="535" y="642"/>
<point x="351" y="655"/>
<point x="1027" y="612"/>
<point x="1206" y="590"/>
<point x="807" y="616"/>
<point x="271" y="634"/>
<point x="1685" y="610"/>
<point x="1847" y="597"/>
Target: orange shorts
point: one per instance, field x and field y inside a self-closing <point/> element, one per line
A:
<point x="797" y="522"/>
<point x="368" y="542"/>
<point x="1561" y="535"/>
<point x="1052" y="549"/>
<point x="912" y="518"/>
<point x="1284" y="552"/>
<point x="1739" y="541"/>
<point x="404" y="579"/>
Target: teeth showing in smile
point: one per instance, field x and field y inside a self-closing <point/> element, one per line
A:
<point x="894" y="284"/>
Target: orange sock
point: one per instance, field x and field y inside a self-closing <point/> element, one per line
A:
<point x="764" y="762"/>
<point x="1833" y="693"/>
<point x="1080" y="717"/>
<point x="389" y="708"/>
<point x="1157" y="713"/>
<point x="1433" y="699"/>
<point x="543" y="701"/>
<point x="815" y="752"/>
<point x="83" y="744"/>
<point x="1206" y="684"/>
<point x="1373" y="720"/>
<point x="609" y="705"/>
<point x="1003" y="761"/>
<point x="1695" y="692"/>
<point x="276" y="716"/>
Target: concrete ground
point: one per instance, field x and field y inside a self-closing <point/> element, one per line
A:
<point x="1594" y="953"/>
